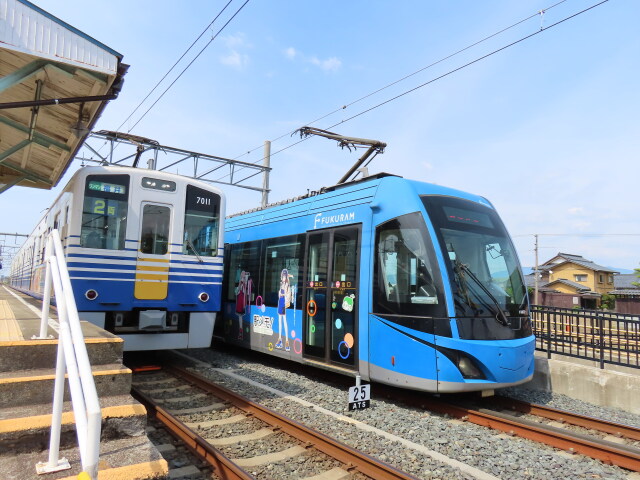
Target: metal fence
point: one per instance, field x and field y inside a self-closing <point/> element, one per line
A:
<point x="605" y="337"/>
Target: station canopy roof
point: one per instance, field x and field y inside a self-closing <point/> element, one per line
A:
<point x="55" y="82"/>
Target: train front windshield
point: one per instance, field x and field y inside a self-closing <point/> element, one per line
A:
<point x="486" y="281"/>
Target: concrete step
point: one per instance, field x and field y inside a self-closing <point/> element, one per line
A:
<point x="128" y="458"/>
<point x="102" y="347"/>
<point x="28" y="428"/>
<point x="28" y="387"/>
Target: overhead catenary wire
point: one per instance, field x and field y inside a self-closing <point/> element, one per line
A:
<point x="483" y="57"/>
<point x="435" y="79"/>
<point x="174" y="65"/>
<point x="189" y="65"/>
<point x="395" y="82"/>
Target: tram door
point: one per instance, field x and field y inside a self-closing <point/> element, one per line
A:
<point x="152" y="267"/>
<point x="331" y="294"/>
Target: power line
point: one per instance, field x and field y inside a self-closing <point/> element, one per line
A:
<point x="189" y="65"/>
<point x="542" y="29"/>
<point x="522" y="39"/>
<point x="347" y="105"/>
<point x="174" y="65"/>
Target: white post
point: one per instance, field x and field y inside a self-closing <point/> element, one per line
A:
<point x="46" y="300"/>
<point x="56" y="417"/>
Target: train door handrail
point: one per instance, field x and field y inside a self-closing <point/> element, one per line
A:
<point x="72" y="356"/>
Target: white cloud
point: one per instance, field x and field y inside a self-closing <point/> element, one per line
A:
<point x="235" y="59"/>
<point x="576" y="210"/>
<point x="581" y="224"/>
<point x="239" y="40"/>
<point x="330" y="64"/>
<point x="427" y="165"/>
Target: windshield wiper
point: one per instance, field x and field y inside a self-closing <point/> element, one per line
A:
<point x="500" y="316"/>
<point x="190" y="245"/>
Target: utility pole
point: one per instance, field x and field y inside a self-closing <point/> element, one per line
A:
<point x="265" y="174"/>
<point x="535" y="272"/>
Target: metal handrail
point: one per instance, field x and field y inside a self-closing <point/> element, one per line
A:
<point x="72" y="357"/>
<point x="606" y="337"/>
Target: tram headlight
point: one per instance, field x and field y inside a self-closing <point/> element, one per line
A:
<point x="464" y="363"/>
<point x="203" y="297"/>
<point x="468" y="368"/>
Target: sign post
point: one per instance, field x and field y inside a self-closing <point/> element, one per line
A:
<point x="359" y="396"/>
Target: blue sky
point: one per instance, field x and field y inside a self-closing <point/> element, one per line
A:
<point x="548" y="129"/>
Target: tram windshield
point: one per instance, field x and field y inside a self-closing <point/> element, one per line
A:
<point x="483" y="267"/>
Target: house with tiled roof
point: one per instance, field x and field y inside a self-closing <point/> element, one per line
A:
<point x="569" y="280"/>
<point x="627" y="293"/>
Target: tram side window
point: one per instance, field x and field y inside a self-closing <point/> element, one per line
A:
<point x="201" y="222"/>
<point x="283" y="259"/>
<point x="406" y="277"/>
<point x="242" y="276"/>
<point x="104" y="212"/>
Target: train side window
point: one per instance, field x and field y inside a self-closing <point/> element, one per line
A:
<point x="154" y="233"/>
<point x="283" y="258"/>
<point x="407" y="281"/>
<point x="104" y="212"/>
<point x="242" y="275"/>
<point x="201" y="222"/>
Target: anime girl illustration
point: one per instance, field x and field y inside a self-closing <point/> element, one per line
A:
<point x="284" y="300"/>
<point x="243" y="297"/>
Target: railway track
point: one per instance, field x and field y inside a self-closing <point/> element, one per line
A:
<point x="609" y="442"/>
<point x="611" y="429"/>
<point x="555" y="435"/>
<point x="225" y="430"/>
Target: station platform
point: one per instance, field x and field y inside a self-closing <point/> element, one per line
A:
<point x="27" y="375"/>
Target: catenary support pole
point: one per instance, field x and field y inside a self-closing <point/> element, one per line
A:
<point x="265" y="175"/>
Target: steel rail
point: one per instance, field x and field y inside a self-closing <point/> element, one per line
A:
<point x="354" y="459"/>
<point x="202" y="449"/>
<point x="618" y="429"/>
<point x="603" y="450"/>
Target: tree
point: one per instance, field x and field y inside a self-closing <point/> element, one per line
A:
<point x="607" y="302"/>
<point x="637" y="272"/>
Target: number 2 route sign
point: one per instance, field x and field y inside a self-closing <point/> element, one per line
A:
<point x="359" y="397"/>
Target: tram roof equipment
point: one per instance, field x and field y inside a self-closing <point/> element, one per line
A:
<point x="55" y="81"/>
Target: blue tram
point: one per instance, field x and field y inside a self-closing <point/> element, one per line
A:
<point x="144" y="252"/>
<point x="402" y="282"/>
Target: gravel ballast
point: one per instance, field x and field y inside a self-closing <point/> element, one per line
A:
<point x="427" y="445"/>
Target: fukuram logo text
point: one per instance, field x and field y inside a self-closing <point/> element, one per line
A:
<point x="324" y="220"/>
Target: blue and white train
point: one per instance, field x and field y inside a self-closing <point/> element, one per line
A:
<point x="402" y="282"/>
<point x="144" y="252"/>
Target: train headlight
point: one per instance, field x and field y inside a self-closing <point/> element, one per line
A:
<point x="203" y="297"/>
<point x="91" y="294"/>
